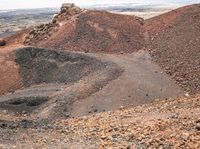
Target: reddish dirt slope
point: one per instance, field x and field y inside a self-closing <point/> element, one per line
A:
<point x="174" y="44"/>
<point x="9" y="74"/>
<point x="9" y="69"/>
<point x="97" y="31"/>
<point x="161" y="22"/>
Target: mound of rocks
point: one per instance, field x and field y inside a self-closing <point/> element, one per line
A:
<point x="2" y="42"/>
<point x="90" y="31"/>
<point x="67" y="10"/>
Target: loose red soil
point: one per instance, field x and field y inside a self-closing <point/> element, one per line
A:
<point x="9" y="72"/>
<point x="161" y="22"/>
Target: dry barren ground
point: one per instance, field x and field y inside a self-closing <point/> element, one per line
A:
<point x="49" y="93"/>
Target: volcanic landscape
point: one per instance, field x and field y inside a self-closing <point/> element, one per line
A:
<point x="95" y="79"/>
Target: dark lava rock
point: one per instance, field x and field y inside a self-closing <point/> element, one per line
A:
<point x="2" y="42"/>
<point x="25" y="124"/>
<point x="48" y="66"/>
<point x="23" y="105"/>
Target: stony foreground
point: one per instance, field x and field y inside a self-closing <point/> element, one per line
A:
<point x="171" y="124"/>
<point x="174" y="124"/>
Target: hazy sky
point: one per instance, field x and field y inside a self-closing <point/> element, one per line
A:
<point x="15" y="4"/>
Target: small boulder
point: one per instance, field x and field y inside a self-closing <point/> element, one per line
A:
<point x="197" y="126"/>
<point x="2" y="42"/>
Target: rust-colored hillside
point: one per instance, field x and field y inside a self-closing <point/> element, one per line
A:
<point x="91" y="31"/>
<point x="174" y="44"/>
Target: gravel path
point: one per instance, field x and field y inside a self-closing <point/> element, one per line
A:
<point x="141" y="82"/>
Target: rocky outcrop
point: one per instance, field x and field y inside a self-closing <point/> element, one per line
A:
<point x="41" y="33"/>
<point x="2" y="42"/>
<point x="67" y="10"/>
<point x="44" y="31"/>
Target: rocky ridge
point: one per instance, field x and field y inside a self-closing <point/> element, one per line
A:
<point x="89" y="30"/>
